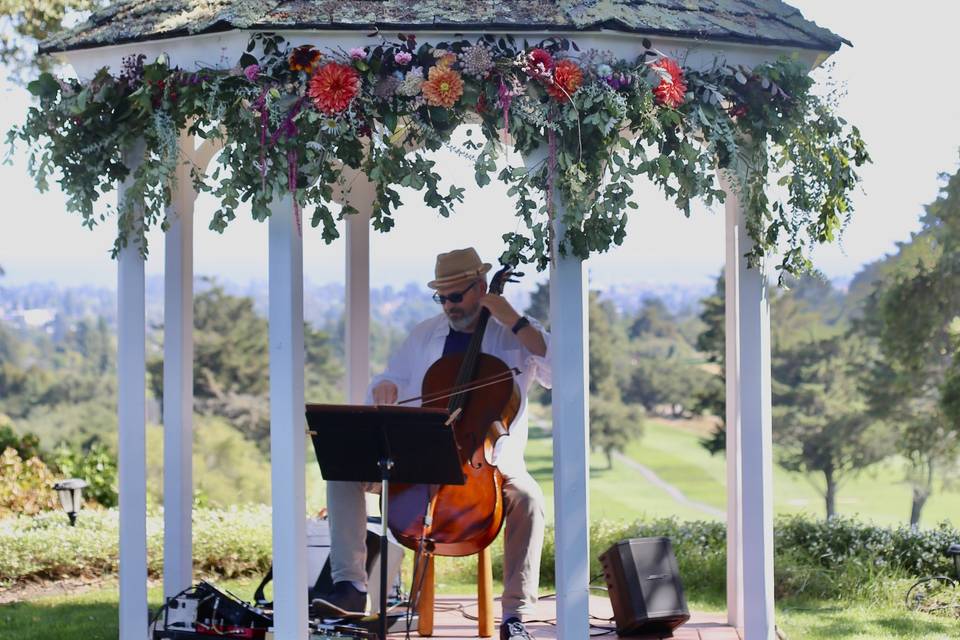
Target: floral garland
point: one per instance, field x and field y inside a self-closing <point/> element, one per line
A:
<point x="289" y="118"/>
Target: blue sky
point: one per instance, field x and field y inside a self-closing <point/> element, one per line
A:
<point x="900" y="91"/>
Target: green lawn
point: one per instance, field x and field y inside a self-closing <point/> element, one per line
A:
<point x="93" y="616"/>
<point x="861" y="621"/>
<point x="672" y="450"/>
<point x="617" y="493"/>
<point x="87" y="616"/>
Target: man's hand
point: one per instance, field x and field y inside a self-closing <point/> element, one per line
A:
<point x="385" y="393"/>
<point x="500" y="309"/>
<point x="506" y="315"/>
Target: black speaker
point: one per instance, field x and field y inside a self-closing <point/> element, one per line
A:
<point x="644" y="586"/>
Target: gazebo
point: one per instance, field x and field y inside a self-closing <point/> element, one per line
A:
<point x="201" y="36"/>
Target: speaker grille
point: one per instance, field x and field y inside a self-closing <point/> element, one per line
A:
<point x="644" y="586"/>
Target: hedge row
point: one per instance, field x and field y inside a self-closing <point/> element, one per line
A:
<point x="817" y="558"/>
<point x="226" y="542"/>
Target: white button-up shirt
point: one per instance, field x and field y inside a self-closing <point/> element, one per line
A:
<point x="424" y="346"/>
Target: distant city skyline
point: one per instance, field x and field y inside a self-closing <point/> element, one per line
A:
<point x="897" y="91"/>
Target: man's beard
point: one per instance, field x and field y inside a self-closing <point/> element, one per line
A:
<point x="465" y="321"/>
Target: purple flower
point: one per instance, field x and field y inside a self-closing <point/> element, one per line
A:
<point x="402" y="58"/>
<point x="251" y="72"/>
<point x="358" y="53"/>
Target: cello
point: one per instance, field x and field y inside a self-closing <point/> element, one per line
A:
<point x="483" y="400"/>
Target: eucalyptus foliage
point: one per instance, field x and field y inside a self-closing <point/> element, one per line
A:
<point x="591" y="142"/>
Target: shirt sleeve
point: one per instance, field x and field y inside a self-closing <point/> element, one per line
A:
<point x="539" y="366"/>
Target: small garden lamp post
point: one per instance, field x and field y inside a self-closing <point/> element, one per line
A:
<point x="70" y="493"/>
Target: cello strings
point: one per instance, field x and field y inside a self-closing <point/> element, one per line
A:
<point x="471" y="387"/>
<point x="455" y="390"/>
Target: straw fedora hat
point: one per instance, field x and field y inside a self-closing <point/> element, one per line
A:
<point x="458" y="265"/>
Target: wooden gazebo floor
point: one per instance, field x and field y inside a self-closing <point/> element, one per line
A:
<point x="450" y="621"/>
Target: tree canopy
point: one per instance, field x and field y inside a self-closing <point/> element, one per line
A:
<point x="914" y="314"/>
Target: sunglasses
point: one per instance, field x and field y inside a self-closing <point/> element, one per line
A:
<point x="455" y="298"/>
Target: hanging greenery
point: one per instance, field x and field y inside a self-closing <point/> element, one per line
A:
<point x="289" y="119"/>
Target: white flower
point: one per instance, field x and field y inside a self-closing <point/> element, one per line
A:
<point x="331" y="125"/>
<point x="411" y="83"/>
<point x="477" y="60"/>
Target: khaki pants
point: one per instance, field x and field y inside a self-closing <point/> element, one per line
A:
<point x="523" y="538"/>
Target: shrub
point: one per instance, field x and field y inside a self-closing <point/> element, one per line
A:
<point x="25" y="485"/>
<point x="45" y="546"/>
<point x="97" y="466"/>
<point x="837" y="558"/>
<point x="27" y="446"/>
<point x="229" y="543"/>
<point x="847" y="543"/>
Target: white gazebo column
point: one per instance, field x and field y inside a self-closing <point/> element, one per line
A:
<point x="131" y="413"/>
<point x="752" y="441"/>
<point x="178" y="384"/>
<point x="569" y="349"/>
<point x="357" y="312"/>
<point x="287" y="423"/>
<point x="733" y="252"/>
<point x="571" y="442"/>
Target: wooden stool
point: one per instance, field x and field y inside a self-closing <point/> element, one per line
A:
<point x="484" y="597"/>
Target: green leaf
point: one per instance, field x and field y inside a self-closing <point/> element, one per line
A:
<point x="45" y="87"/>
<point x="390" y="121"/>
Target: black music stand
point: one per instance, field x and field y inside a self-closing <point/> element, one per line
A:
<point x="358" y="443"/>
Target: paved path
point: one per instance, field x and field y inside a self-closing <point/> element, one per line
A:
<point x="671" y="490"/>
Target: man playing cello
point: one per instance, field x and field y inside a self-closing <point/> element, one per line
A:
<point x="461" y="288"/>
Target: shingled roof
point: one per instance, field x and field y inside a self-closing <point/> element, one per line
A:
<point x="762" y="22"/>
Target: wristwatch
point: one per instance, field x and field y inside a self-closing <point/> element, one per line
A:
<point x="520" y="324"/>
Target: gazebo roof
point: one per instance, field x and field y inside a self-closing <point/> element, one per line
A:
<point x="761" y="22"/>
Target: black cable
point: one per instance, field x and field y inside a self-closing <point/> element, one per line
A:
<point x="553" y="622"/>
<point x="603" y="630"/>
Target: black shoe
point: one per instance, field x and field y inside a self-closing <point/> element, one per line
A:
<point x="343" y="601"/>
<point x="513" y="629"/>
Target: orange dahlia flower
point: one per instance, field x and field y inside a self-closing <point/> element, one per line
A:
<point x="443" y="87"/>
<point x="333" y="87"/>
<point x="567" y="78"/>
<point x="672" y="88"/>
